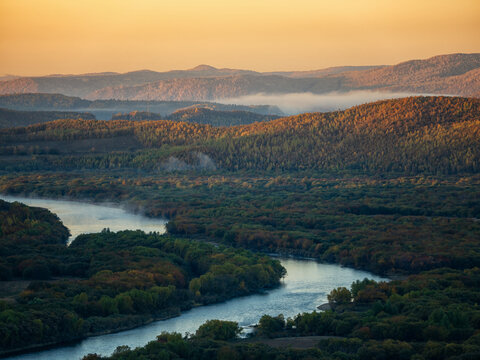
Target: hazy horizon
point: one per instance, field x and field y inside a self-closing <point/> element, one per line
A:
<point x="106" y="71"/>
<point x="66" y="37"/>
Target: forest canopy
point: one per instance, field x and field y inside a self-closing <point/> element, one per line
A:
<point x="434" y="135"/>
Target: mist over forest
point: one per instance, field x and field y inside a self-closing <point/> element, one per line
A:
<point x="297" y="103"/>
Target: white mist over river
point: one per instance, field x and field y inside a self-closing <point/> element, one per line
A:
<point x="82" y="218"/>
<point x="304" y="288"/>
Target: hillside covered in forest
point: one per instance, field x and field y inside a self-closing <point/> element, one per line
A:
<point x="412" y="135"/>
<point x="13" y="118"/>
<point x="200" y="115"/>
<point x="106" y="108"/>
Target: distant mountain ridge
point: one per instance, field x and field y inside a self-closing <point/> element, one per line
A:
<point x="440" y="73"/>
<point x="106" y="108"/>
<point x="13" y="118"/>
<point x="84" y="84"/>
<point x="453" y="74"/>
<point x="200" y="115"/>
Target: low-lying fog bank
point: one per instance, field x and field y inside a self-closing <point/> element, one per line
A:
<point x="297" y="103"/>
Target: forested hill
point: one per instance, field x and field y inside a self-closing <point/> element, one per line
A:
<point x="422" y="134"/>
<point x="137" y="116"/>
<point x="411" y="135"/>
<point x="12" y="118"/>
<point x="56" y="102"/>
<point x="200" y="115"/>
<point x="203" y="115"/>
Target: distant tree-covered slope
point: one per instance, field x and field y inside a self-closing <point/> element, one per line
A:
<point x="208" y="116"/>
<point x="200" y="115"/>
<point x="55" y="102"/>
<point x="13" y="118"/>
<point x="205" y="89"/>
<point x="412" y="135"/>
<point x="82" y="85"/>
<point x="42" y="101"/>
<point x="137" y="116"/>
<point x="457" y="74"/>
<point x="453" y="74"/>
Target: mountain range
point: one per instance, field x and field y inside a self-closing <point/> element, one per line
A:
<point x="453" y="74"/>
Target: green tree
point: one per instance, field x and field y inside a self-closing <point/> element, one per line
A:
<point x="339" y="296"/>
<point x="268" y="325"/>
<point x="219" y="330"/>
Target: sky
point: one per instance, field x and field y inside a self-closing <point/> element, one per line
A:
<point x="39" y="37"/>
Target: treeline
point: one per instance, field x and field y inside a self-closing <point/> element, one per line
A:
<point x="435" y="135"/>
<point x="34" y="101"/>
<point x="46" y="101"/>
<point x="110" y="281"/>
<point x="202" y="115"/>
<point x="14" y="118"/>
<point x="137" y="116"/>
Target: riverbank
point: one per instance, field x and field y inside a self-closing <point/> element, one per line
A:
<point x="110" y="281"/>
<point x="53" y="344"/>
<point x="294" y="296"/>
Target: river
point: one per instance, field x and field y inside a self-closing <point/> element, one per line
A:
<point x="306" y="285"/>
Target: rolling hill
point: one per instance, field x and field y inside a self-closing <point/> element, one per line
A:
<point x="453" y="74"/>
<point x="82" y="85"/>
<point x="412" y="135"/>
<point x="200" y="115"/>
<point x="12" y="118"/>
<point x="204" y="115"/>
<point x="104" y="109"/>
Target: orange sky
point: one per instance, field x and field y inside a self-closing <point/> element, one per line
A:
<point x="78" y="36"/>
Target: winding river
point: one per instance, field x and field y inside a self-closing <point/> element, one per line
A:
<point x="306" y="285"/>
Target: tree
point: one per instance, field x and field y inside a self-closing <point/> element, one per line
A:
<point x="219" y="330"/>
<point x="339" y="296"/>
<point x="269" y="325"/>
